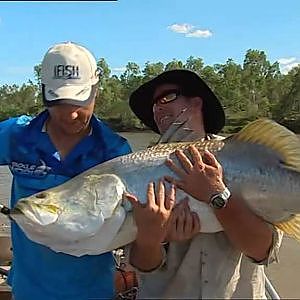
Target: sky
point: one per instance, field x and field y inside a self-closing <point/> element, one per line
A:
<point x="148" y="31"/>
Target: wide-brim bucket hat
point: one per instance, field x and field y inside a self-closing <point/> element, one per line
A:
<point x="141" y="100"/>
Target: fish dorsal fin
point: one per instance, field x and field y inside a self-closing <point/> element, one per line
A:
<point x="291" y="227"/>
<point x="179" y="131"/>
<point x="275" y="136"/>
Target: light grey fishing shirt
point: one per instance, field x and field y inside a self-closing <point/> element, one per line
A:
<point x="207" y="267"/>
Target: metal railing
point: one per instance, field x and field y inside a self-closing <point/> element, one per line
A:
<point x="270" y="290"/>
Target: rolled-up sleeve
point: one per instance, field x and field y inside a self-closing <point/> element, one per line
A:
<point x="273" y="254"/>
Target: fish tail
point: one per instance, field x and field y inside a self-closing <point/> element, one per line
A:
<point x="291" y="227"/>
<point x="275" y="136"/>
<point x="287" y="145"/>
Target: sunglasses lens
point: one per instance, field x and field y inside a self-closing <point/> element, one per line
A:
<point x="169" y="98"/>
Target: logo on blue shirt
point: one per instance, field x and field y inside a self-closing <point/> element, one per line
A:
<point x="31" y="170"/>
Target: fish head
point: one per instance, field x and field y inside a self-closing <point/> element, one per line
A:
<point x="37" y="209"/>
<point x="37" y="216"/>
<point x="72" y="211"/>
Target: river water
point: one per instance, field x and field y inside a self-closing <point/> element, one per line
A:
<point x="284" y="276"/>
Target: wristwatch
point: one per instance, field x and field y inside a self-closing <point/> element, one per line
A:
<point x="220" y="200"/>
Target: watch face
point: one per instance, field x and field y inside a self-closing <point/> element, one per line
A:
<point x="218" y="202"/>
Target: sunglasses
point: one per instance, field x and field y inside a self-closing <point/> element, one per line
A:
<point x="167" y="97"/>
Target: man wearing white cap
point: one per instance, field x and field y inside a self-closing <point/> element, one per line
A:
<point x="61" y="142"/>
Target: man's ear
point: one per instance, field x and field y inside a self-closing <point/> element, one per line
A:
<point x="97" y="92"/>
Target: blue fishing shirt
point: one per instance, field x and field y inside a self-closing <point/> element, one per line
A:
<point x="38" y="272"/>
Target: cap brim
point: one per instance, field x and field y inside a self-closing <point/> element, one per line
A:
<point x="141" y="100"/>
<point x="69" y="94"/>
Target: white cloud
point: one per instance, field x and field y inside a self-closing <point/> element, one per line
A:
<point x="119" y="69"/>
<point x="288" y="63"/>
<point x="199" y="33"/>
<point x="285" y="69"/>
<point x="190" y="30"/>
<point x="181" y="28"/>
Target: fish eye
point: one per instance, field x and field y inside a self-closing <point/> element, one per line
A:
<point x="41" y="195"/>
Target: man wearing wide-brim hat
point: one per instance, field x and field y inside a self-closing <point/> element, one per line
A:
<point x="176" y="261"/>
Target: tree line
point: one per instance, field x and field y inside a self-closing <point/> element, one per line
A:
<point x="255" y="88"/>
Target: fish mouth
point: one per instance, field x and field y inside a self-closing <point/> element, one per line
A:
<point x="37" y="213"/>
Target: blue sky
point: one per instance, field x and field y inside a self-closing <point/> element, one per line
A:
<point x="148" y="30"/>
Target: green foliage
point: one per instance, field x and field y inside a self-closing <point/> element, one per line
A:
<point x="194" y="64"/>
<point x="17" y="100"/>
<point x="174" y="64"/>
<point x="288" y="108"/>
<point x="254" y="89"/>
<point x="152" y="69"/>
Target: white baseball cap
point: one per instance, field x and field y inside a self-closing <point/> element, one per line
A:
<point x="69" y="74"/>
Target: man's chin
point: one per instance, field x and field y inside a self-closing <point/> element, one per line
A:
<point x="75" y="130"/>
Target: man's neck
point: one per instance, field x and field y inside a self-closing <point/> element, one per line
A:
<point x="194" y="125"/>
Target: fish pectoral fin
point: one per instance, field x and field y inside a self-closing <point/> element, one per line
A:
<point x="275" y="136"/>
<point x="291" y="227"/>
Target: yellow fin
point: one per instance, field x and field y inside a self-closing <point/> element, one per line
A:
<point x="275" y="136"/>
<point x="291" y="227"/>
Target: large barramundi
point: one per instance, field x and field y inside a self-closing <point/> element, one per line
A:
<point x="88" y="215"/>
